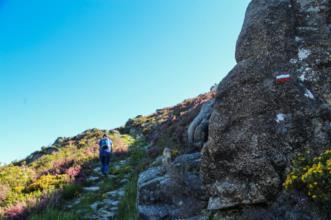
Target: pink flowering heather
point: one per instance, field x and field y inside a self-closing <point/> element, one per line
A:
<point x="63" y="163"/>
<point x="17" y="211"/>
<point x="74" y="171"/>
<point x="59" y="167"/>
<point x="59" y="163"/>
<point x="47" y="200"/>
<point x="90" y="151"/>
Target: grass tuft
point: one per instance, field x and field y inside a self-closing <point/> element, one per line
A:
<point x="54" y="214"/>
<point x="127" y="209"/>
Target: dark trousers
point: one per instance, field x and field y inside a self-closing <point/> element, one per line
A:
<point x="105" y="161"/>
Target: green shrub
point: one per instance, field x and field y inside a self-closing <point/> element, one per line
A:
<point x="137" y="155"/>
<point x="48" y="182"/>
<point x="120" y="170"/>
<point x="128" y="139"/>
<point x="16" y="177"/>
<point x="43" y="163"/>
<point x="71" y="191"/>
<point x="54" y="214"/>
<point x="13" y="181"/>
<point x="312" y="176"/>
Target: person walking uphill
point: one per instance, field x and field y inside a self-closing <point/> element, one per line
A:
<point x="105" y="149"/>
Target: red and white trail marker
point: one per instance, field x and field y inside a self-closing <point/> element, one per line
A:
<point x="283" y="78"/>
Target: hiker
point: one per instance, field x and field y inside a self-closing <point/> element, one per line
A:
<point x="105" y="148"/>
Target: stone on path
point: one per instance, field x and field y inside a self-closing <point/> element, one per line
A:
<point x="92" y="188"/>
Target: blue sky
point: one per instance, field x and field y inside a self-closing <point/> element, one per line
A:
<point x="70" y="65"/>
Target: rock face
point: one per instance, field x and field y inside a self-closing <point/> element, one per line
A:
<point x="172" y="190"/>
<point x="257" y="125"/>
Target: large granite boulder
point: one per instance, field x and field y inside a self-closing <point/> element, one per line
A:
<point x="172" y="190"/>
<point x="257" y="124"/>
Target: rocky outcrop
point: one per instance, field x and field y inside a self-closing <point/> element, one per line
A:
<point x="257" y="125"/>
<point x="197" y="131"/>
<point x="38" y="154"/>
<point x="168" y="126"/>
<point x="172" y="190"/>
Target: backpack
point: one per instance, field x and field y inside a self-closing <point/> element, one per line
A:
<point x="105" y="144"/>
<point x="104" y="147"/>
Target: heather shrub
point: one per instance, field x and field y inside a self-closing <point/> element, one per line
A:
<point x="90" y="151"/>
<point x="44" y="200"/>
<point x="68" y="156"/>
<point x="59" y="165"/>
<point x="57" y="160"/>
<point x="17" y="211"/>
<point x="312" y="176"/>
<point x="73" y="171"/>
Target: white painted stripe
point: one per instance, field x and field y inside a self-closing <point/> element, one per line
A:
<point x="284" y="76"/>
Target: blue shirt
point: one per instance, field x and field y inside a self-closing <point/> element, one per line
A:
<point x="105" y="142"/>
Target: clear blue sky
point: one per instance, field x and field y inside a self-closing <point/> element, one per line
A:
<point x="70" y="65"/>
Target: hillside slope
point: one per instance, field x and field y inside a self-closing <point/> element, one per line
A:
<point x="60" y="172"/>
<point x="63" y="181"/>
